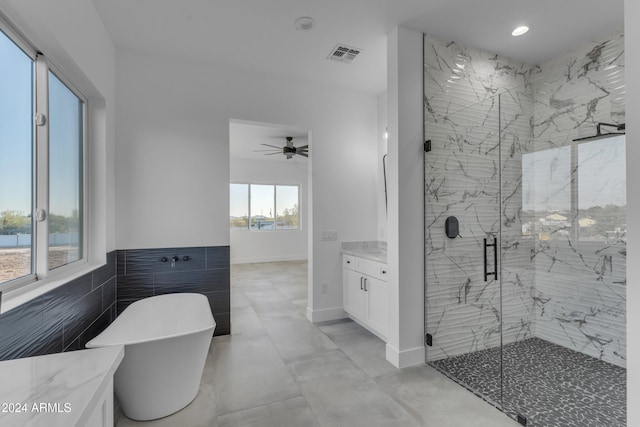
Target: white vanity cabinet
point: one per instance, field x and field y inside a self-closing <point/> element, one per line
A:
<point x="365" y="293"/>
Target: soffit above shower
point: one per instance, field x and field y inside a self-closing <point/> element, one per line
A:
<point x="243" y="34"/>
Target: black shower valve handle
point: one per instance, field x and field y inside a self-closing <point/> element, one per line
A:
<point x="164" y="259"/>
<point x="186" y="258"/>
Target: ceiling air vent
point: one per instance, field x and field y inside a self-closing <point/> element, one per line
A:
<point x="344" y="53"/>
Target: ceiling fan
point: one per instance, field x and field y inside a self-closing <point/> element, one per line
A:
<point x="288" y="150"/>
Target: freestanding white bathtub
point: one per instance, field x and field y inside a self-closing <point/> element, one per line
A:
<point x="166" y="341"/>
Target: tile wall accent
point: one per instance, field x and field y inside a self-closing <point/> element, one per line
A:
<point x="63" y="319"/>
<point x="142" y="274"/>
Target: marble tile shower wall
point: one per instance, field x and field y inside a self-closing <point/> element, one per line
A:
<point x="566" y="293"/>
<point x="141" y="274"/>
<point x="580" y="290"/>
<point x="63" y="319"/>
<point x="465" y="118"/>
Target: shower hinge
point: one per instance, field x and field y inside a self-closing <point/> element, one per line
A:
<point x="427" y="146"/>
<point x="522" y="420"/>
<point x="428" y="339"/>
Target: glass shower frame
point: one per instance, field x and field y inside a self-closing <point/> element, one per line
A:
<point x="474" y="172"/>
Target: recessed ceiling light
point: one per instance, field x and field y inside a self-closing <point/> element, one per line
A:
<point x="304" y="23"/>
<point x="520" y="31"/>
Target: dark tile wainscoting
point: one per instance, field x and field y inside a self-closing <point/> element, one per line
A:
<point x="141" y="273"/>
<point x="63" y="319"/>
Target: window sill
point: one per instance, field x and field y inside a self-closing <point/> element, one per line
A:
<point x="16" y="297"/>
<point x="280" y="230"/>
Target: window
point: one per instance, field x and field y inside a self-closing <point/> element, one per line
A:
<point x="65" y="174"/>
<point x="576" y="192"/>
<point x="16" y="174"/>
<point x="239" y="206"/>
<point x="264" y="207"/>
<point x="261" y="202"/>
<point x="42" y="136"/>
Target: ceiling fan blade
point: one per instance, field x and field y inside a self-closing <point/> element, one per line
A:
<point x="273" y="151"/>
<point x="303" y="154"/>
<point x="272" y="146"/>
<point x="271" y="154"/>
<point x="302" y="147"/>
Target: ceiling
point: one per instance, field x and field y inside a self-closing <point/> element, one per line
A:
<point x="245" y="138"/>
<point x="260" y="35"/>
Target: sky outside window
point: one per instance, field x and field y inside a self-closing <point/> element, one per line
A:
<point x="16" y="157"/>
<point x="16" y="113"/>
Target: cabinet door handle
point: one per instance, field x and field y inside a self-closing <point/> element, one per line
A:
<point x="365" y="284"/>
<point x="348" y="262"/>
<point x="361" y="279"/>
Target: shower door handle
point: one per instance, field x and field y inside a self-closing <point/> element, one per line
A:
<point x="494" y="273"/>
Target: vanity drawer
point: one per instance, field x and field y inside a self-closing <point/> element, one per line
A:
<point x="372" y="268"/>
<point x="349" y="261"/>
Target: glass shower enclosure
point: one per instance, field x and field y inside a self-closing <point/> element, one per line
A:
<point x="525" y="299"/>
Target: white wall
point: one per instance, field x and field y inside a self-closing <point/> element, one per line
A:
<point x="405" y="180"/>
<point x="172" y="157"/>
<point x="71" y="34"/>
<point x="632" y="77"/>
<point x="268" y="246"/>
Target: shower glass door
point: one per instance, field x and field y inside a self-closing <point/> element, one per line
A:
<point x="563" y="264"/>
<point x="463" y="314"/>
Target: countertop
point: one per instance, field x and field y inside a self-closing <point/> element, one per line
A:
<point x="55" y="390"/>
<point x="373" y="250"/>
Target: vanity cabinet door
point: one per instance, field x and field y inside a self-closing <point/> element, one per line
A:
<point x="356" y="298"/>
<point x="378" y="312"/>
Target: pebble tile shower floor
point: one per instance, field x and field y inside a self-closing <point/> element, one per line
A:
<point x="552" y="386"/>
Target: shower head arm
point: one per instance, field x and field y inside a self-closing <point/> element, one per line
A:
<point x="599" y="134"/>
<point x="600" y="124"/>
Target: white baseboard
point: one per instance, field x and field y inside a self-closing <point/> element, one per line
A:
<point x="325" y="314"/>
<point x="279" y="258"/>
<point x="405" y="358"/>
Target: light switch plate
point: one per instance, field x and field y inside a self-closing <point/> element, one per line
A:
<point x="329" y="235"/>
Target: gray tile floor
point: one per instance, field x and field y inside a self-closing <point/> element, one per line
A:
<point x="278" y="369"/>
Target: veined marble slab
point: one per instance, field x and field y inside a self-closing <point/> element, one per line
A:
<point x="56" y="390"/>
<point x="373" y="250"/>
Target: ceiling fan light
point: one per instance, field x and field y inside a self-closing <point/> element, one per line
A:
<point x="289" y="150"/>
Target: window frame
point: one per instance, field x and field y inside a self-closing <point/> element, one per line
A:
<point x="41" y="274"/>
<point x="275" y="207"/>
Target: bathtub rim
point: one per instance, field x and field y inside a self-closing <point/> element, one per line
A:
<point x="211" y="326"/>
<point x="164" y="337"/>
